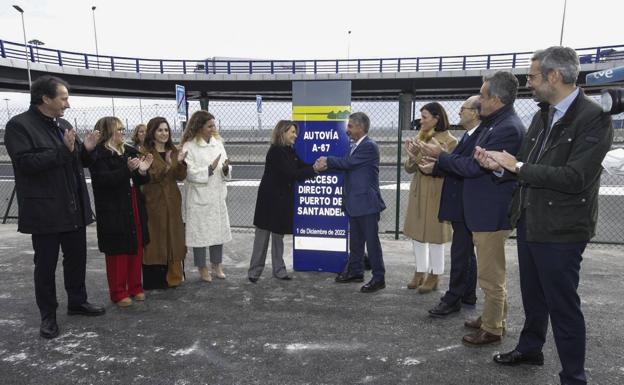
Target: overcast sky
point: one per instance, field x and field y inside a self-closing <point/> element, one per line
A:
<point x="281" y="29"/>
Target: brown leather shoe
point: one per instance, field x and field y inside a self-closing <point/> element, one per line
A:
<point x="481" y="338"/>
<point x="473" y="323"/>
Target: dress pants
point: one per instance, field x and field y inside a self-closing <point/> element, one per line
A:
<point x="46" y="247"/>
<point x="123" y="271"/>
<point x="491" y="274"/>
<point x="216" y="255"/>
<point x="549" y="278"/>
<point x="463" y="275"/>
<point x="363" y="231"/>
<point x="259" y="252"/>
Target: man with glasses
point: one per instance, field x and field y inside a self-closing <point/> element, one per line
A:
<point x="555" y="208"/>
<point x="486" y="212"/>
<point x="52" y="196"/>
<point x="463" y="275"/>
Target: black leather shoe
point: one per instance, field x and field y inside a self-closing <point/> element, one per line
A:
<point x="443" y="309"/>
<point x="345" y="277"/>
<point x="514" y="357"/>
<point x="49" y="329"/>
<point x="86" y="309"/>
<point x="253" y="280"/>
<point x="373" y="286"/>
<point x="285" y="278"/>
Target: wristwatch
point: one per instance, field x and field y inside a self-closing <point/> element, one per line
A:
<point x="519" y="166"/>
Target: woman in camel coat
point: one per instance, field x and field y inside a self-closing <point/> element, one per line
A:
<point x="166" y="250"/>
<point x="421" y="221"/>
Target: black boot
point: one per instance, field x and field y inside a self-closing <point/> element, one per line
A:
<point x="48" y="329"/>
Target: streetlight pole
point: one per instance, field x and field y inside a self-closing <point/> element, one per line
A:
<point x="21" y="11"/>
<point x="565" y="3"/>
<point x="348" y="48"/>
<point x="97" y="52"/>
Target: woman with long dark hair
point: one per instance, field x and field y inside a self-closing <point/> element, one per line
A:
<point x="164" y="255"/>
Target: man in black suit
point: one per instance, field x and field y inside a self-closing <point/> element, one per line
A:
<point x="52" y="196"/>
<point x="555" y="208"/>
<point x="463" y="275"/>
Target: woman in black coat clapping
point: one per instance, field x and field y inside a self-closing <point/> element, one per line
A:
<point x="276" y="200"/>
<point x="120" y="210"/>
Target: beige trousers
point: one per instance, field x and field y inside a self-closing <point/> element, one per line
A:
<point x="492" y="278"/>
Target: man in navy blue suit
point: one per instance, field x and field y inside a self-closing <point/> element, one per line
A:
<point x="555" y="208"/>
<point x="463" y="275"/>
<point x="486" y="200"/>
<point x="362" y="202"/>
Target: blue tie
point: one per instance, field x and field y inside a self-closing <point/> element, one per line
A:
<point x="352" y="148"/>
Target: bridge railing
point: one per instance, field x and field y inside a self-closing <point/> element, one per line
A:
<point x="35" y="54"/>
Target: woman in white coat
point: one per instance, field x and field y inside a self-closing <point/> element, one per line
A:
<point x="206" y="214"/>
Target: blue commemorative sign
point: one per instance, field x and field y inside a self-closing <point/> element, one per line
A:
<point x="320" y="235"/>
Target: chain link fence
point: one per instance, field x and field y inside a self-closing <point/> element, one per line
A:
<point x="246" y="134"/>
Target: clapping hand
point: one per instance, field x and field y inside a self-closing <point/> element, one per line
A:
<point x="133" y="163"/>
<point x="504" y="159"/>
<point x="145" y="163"/>
<point x="432" y="149"/>
<point x="411" y="149"/>
<point x="215" y="162"/>
<point x="182" y="156"/>
<point x="485" y="160"/>
<point x="226" y="166"/>
<point x="69" y="138"/>
<point x="91" y="140"/>
<point x="426" y="165"/>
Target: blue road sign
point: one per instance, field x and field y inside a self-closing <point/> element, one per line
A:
<point x="181" y="102"/>
<point x="605" y="77"/>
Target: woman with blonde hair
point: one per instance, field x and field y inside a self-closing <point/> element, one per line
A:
<point x="205" y="209"/>
<point x="164" y="255"/>
<point x="138" y="136"/>
<point x="276" y="200"/>
<point x="421" y="221"/>
<point x="121" y="224"/>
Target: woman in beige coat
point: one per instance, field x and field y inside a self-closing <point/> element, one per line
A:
<point x="421" y="222"/>
<point x="163" y="201"/>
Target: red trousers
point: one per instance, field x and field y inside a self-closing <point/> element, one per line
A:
<point x="124" y="270"/>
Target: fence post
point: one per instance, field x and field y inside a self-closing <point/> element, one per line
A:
<point x="6" y="213"/>
<point x="60" y="58"/>
<point x="402" y="100"/>
<point x="2" y="53"/>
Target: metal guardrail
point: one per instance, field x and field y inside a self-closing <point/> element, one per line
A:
<point x="14" y="50"/>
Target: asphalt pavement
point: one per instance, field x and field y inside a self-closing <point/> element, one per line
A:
<point x="306" y="331"/>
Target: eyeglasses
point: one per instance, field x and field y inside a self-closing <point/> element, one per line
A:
<point x="466" y="108"/>
<point x="122" y="130"/>
<point x="531" y="76"/>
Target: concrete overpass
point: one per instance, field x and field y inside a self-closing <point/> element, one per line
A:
<point x="384" y="78"/>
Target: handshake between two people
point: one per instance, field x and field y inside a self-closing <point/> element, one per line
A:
<point x="320" y="165"/>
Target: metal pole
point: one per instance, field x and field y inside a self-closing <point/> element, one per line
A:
<point x="141" y="110"/>
<point x="113" y="100"/>
<point x="398" y="185"/>
<point x="565" y="2"/>
<point x="21" y="11"/>
<point x="348" y="49"/>
<point x="97" y="52"/>
<point x="7" y="106"/>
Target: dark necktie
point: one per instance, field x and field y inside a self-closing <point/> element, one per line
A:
<point x="547" y="130"/>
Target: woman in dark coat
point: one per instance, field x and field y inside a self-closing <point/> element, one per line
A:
<point x="276" y="200"/>
<point x="120" y="210"/>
